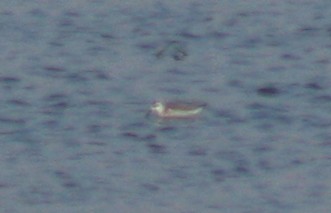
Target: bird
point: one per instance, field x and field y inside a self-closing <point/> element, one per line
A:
<point x="176" y="109"/>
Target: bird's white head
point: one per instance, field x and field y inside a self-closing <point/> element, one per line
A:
<point x="158" y="107"/>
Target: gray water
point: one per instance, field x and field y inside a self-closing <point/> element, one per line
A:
<point x="77" y="78"/>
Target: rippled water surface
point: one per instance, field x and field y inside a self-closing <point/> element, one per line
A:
<point x="78" y="77"/>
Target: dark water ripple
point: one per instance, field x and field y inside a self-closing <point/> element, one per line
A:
<point x="264" y="112"/>
<point x="9" y="79"/>
<point x="234" y="164"/>
<point x="56" y="104"/>
<point x="18" y="102"/>
<point x="198" y="151"/>
<point x="268" y="91"/>
<point x="12" y="120"/>
<point x="157" y="148"/>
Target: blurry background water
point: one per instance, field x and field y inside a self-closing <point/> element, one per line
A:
<point x="77" y="78"/>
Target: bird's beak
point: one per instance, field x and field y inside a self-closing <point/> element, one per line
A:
<point x="148" y="113"/>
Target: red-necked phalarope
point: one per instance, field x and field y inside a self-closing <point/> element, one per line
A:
<point x="176" y="109"/>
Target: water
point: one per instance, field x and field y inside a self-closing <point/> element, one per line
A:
<point x="77" y="79"/>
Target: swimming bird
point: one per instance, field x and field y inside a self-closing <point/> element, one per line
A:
<point x="176" y="109"/>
